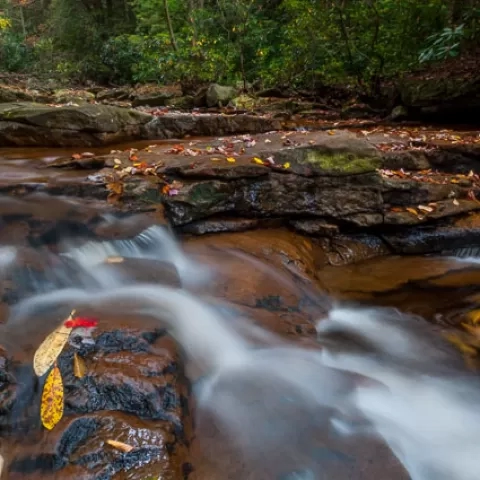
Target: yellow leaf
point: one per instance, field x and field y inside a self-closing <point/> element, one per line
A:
<point x="51" y="410"/>
<point x="215" y="159"/>
<point x="331" y="132"/>
<point x="120" y="446"/>
<point x="230" y="159"/>
<point x="51" y="348"/>
<point x="79" y="368"/>
<point x="286" y="165"/>
<point x="412" y="211"/>
<point x="474" y="316"/>
<point x="257" y="160"/>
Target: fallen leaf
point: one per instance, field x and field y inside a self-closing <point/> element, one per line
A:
<point x="87" y="155"/>
<point x="215" y="159"/>
<point x="424" y="208"/>
<point x="231" y="160"/>
<point x="76" y="156"/>
<point x="114" y="259"/>
<point x="120" y="446"/>
<point x="115" y="187"/>
<point x="286" y="165"/>
<point x="456" y="202"/>
<point x="79" y="368"/>
<point x="117" y="161"/>
<point x="49" y="350"/>
<point x="257" y="160"/>
<point x="412" y="211"/>
<point x="331" y="132"/>
<point x="81" y="322"/>
<point x="51" y="409"/>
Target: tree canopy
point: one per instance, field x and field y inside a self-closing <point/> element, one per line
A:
<point x="294" y="42"/>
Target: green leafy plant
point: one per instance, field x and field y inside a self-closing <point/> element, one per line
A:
<point x="443" y="44"/>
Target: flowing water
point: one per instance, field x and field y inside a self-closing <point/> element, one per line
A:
<point x="372" y="379"/>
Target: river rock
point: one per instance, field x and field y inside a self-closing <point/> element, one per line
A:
<point x="219" y="96"/>
<point x="182" y="124"/>
<point x="73" y="96"/>
<point x="30" y="124"/>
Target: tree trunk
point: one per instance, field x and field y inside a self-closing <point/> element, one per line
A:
<point x="169" y="25"/>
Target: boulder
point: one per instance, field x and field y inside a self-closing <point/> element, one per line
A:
<point x="30" y="124"/>
<point x="219" y="96"/>
<point x="118" y="94"/>
<point x="187" y="102"/>
<point x="152" y="100"/>
<point x="73" y="96"/>
<point x="180" y="125"/>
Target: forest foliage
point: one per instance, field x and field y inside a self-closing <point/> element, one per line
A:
<point x="275" y="42"/>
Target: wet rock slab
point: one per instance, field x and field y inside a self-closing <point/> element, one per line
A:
<point x="31" y="124"/>
<point x="134" y="391"/>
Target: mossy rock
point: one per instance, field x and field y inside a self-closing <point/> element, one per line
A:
<point x="420" y="92"/>
<point x="340" y="163"/>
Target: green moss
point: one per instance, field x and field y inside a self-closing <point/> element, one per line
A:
<point x="206" y="194"/>
<point x="341" y="163"/>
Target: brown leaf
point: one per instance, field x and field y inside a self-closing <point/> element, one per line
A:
<point x="79" y="367"/>
<point x="51" y="409"/>
<point x="120" y="446"/>
<point x="412" y="211"/>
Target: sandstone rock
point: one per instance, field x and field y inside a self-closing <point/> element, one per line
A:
<point x="179" y="125"/>
<point x="219" y="96"/>
<point x="73" y="96"/>
<point x="152" y="100"/>
<point x="30" y="124"/>
<point x="187" y="102"/>
<point x="113" y="94"/>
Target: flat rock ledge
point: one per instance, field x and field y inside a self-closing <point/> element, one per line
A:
<point x="321" y="184"/>
<point x="31" y="124"/>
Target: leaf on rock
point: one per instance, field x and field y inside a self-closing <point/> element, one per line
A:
<point x="424" y="208"/>
<point x="76" y="156"/>
<point x="412" y="211"/>
<point x="286" y="165"/>
<point x="48" y="352"/>
<point x="79" y="367"/>
<point x="115" y="188"/>
<point x="51" y="410"/>
<point x="230" y="160"/>
<point x="120" y="446"/>
<point x="258" y="160"/>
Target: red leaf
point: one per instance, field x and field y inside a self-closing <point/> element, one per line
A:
<point x="81" y="322"/>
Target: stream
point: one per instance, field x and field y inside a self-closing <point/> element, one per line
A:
<point x="238" y="356"/>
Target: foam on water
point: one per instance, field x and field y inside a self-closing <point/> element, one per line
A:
<point x="269" y="395"/>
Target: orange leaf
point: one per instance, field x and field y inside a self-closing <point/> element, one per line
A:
<point x="120" y="446"/>
<point x="412" y="211"/>
<point x="115" y="187"/>
<point x="51" y="409"/>
<point x="76" y="156"/>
